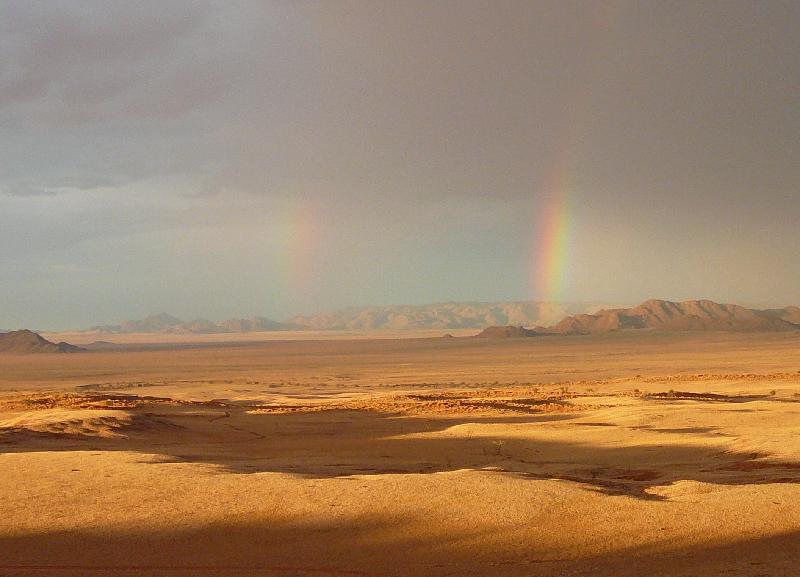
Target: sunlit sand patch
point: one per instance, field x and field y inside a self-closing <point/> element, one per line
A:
<point x="88" y="422"/>
<point x="511" y="461"/>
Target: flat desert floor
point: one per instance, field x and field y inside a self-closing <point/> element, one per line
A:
<point x="622" y="455"/>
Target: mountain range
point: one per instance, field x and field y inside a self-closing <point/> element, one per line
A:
<point x="697" y="315"/>
<point x="436" y="316"/>
<point x="660" y="315"/>
<point x="538" y="317"/>
<point x="454" y="315"/>
<point x="164" y="323"/>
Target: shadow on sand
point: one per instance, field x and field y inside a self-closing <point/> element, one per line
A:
<point x="369" y="547"/>
<point x="338" y="443"/>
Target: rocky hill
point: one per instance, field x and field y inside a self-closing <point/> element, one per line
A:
<point x="662" y="315"/>
<point x="505" y="332"/>
<point x="790" y="314"/>
<point x="699" y="315"/>
<point x="27" y="342"/>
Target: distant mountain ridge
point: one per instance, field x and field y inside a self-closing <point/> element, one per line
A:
<point x="697" y="315"/>
<point x="454" y="315"/>
<point x="503" y="318"/>
<point x="164" y="323"/>
<point x="26" y="342"/>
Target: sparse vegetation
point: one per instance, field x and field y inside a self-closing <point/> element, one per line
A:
<point x="498" y="446"/>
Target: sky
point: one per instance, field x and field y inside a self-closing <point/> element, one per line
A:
<point x="233" y="158"/>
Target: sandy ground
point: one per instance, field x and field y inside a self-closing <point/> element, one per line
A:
<point x="605" y="456"/>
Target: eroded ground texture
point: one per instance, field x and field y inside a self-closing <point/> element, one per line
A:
<point x="613" y="456"/>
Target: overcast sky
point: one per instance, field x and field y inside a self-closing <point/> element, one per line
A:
<point x="230" y="158"/>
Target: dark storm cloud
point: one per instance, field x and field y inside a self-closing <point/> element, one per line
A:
<point x="190" y="130"/>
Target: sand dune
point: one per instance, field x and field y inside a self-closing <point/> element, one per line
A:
<point x="57" y="423"/>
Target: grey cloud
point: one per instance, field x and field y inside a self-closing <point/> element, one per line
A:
<point x="27" y="189"/>
<point x="101" y="94"/>
<point x="428" y="137"/>
<point x="62" y="184"/>
<point x="83" y="55"/>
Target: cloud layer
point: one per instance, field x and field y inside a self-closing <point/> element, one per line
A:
<point x="238" y="158"/>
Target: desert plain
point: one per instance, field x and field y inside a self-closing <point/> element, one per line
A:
<point x="607" y="455"/>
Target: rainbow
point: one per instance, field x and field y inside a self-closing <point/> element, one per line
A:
<point x="552" y="243"/>
<point x="553" y="235"/>
<point x="297" y="241"/>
